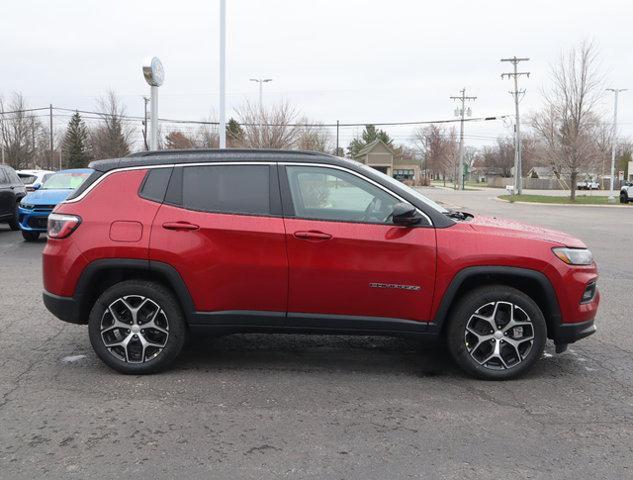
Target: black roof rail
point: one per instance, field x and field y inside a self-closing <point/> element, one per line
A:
<point x="206" y="151"/>
<point x="168" y="157"/>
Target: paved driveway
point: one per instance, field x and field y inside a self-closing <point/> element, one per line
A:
<point x="254" y="406"/>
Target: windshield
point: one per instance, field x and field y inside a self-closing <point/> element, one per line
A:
<point x="412" y="191"/>
<point x="65" y="180"/>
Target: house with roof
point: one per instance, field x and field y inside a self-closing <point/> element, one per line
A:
<point x="383" y="158"/>
<point x="540" y="172"/>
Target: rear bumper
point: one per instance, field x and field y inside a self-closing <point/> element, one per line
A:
<point x="64" y="308"/>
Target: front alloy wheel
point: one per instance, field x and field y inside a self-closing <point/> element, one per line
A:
<point x="499" y="335"/>
<point x="496" y="332"/>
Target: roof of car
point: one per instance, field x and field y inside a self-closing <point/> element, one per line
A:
<point x="34" y="172"/>
<point x="168" y="157"/>
<point x="75" y="170"/>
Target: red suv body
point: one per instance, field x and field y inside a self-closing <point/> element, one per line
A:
<point x="157" y="245"/>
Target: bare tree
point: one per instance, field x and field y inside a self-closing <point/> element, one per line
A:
<point x="439" y="148"/>
<point x="177" y="140"/>
<point x="313" y="137"/>
<point x="111" y="139"/>
<point x="566" y="122"/>
<point x="268" y="128"/>
<point x="17" y="132"/>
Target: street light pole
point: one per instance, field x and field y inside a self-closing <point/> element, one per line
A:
<point x="222" y="132"/>
<point x="261" y="82"/>
<point x="614" y="134"/>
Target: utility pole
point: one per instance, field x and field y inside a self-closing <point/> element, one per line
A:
<point x="518" y="177"/>
<point x="337" y="127"/>
<point x="461" y="112"/>
<point x="614" y="135"/>
<point x="222" y="126"/>
<point x="261" y="82"/>
<point x="145" y="101"/>
<point x="50" y="121"/>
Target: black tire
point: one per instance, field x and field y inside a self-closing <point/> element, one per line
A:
<point x="171" y="319"/>
<point x="624" y="198"/>
<point x="479" y="300"/>
<point x="30" y="236"/>
<point x="13" y="223"/>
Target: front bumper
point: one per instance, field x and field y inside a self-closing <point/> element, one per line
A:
<point x="34" y="220"/>
<point x="565" y="333"/>
<point x="64" y="308"/>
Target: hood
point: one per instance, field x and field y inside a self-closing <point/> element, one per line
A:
<point x="514" y="229"/>
<point x="46" y="197"/>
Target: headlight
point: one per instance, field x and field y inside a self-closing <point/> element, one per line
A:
<point x="574" y="256"/>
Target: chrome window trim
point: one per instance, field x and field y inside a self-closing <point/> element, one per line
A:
<point x="212" y="163"/>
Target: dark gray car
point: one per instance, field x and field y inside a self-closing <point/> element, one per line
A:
<point x="12" y="190"/>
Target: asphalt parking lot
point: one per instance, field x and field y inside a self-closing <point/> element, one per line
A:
<point x="289" y="406"/>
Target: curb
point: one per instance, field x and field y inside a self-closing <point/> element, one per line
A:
<point x="562" y="204"/>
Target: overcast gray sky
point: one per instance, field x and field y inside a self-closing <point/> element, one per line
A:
<point x="351" y="60"/>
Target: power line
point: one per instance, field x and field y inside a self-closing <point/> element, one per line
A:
<point x="303" y="124"/>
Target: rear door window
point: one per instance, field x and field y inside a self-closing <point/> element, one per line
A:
<point x="241" y="189"/>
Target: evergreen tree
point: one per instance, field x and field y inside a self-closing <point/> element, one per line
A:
<point x="75" y="146"/>
<point x="234" y="133"/>
<point x="370" y="133"/>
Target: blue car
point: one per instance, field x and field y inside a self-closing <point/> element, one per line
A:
<point x="36" y="206"/>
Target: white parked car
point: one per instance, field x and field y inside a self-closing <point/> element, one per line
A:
<point x="588" y="185"/>
<point x="626" y="192"/>
<point x="31" y="178"/>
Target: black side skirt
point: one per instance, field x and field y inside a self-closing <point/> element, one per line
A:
<point x="278" y="322"/>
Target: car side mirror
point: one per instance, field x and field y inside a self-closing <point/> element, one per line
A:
<point x="36" y="186"/>
<point x="405" y="214"/>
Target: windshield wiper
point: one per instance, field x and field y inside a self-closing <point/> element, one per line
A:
<point x="458" y="215"/>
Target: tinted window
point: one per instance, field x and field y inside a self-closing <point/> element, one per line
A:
<point x="330" y="194"/>
<point x="227" y="189"/>
<point x="155" y="184"/>
<point x="13" y="177"/>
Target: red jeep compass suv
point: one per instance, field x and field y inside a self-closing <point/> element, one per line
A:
<point x="158" y="245"/>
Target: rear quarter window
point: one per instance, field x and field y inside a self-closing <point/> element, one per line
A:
<point x="155" y="184"/>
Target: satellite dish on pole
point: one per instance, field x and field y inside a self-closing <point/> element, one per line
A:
<point x="155" y="76"/>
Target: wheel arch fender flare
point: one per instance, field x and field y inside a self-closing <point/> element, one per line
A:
<point x="511" y="276"/>
<point x="124" y="268"/>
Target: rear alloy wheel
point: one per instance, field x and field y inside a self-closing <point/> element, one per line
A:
<point x="496" y="333"/>
<point x="137" y="327"/>
<point x="30" y="236"/>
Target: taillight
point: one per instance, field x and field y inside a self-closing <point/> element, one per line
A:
<point x="60" y="225"/>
